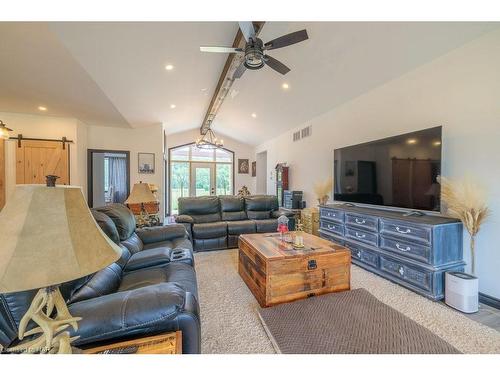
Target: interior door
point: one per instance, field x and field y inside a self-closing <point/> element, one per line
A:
<point x="37" y="159"/>
<point x="202" y="179"/>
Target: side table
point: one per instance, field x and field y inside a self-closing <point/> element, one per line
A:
<point x="169" y="343"/>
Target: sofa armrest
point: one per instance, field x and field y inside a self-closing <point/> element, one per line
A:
<point x="164" y="233"/>
<point x="184" y="219"/>
<point x="150" y="310"/>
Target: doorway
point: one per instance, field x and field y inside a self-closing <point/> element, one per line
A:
<point x="194" y="172"/>
<point x="202" y="179"/>
<point x="36" y="159"/>
<point x="108" y="177"/>
<point x="261" y="173"/>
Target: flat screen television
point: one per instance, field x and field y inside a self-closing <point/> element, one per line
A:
<point x="399" y="171"/>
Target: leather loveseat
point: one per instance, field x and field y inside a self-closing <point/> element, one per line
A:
<point x="215" y="222"/>
<point x="150" y="290"/>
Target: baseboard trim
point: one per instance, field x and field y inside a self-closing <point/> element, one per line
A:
<point x="489" y="300"/>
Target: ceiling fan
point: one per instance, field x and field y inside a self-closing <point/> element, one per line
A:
<point x="254" y="52"/>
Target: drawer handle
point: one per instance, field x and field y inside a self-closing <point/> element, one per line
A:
<point x="407" y="248"/>
<point x="330" y="214"/>
<point x="358" y="254"/>
<point x="360" y="235"/>
<point x="360" y="221"/>
<point x="330" y="226"/>
<point x="406" y="231"/>
<point x="401" y="270"/>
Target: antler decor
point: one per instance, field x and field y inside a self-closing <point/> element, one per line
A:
<point x="53" y="338"/>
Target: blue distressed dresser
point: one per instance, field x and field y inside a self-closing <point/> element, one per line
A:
<point x="414" y="251"/>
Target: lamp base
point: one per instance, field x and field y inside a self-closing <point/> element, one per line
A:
<point x="49" y="311"/>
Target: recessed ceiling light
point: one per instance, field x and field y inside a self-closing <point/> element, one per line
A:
<point x="436" y="143"/>
<point x="411" y="141"/>
<point x="42" y="108"/>
<point x="285" y="86"/>
<point x="172" y="106"/>
<point x="169" y="67"/>
<point x="254" y="115"/>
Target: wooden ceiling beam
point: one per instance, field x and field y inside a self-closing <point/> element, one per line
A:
<point x="226" y="78"/>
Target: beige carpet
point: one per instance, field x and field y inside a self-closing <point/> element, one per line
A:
<point x="230" y="323"/>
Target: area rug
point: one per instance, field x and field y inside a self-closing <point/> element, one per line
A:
<point x="350" y="322"/>
<point x="230" y="322"/>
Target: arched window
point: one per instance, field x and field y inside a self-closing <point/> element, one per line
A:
<point x="195" y="172"/>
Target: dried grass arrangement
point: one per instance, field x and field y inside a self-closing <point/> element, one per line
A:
<point x="466" y="200"/>
<point x="322" y="190"/>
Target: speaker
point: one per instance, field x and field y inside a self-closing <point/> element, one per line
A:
<point x="462" y="291"/>
<point x="292" y="199"/>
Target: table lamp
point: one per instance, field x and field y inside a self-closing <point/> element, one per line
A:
<point x="141" y="194"/>
<point x="47" y="237"/>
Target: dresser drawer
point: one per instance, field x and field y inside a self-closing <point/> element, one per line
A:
<point x="332" y="226"/>
<point x="362" y="236"/>
<point x="410" y="232"/>
<point x="366" y="256"/>
<point x="332" y="214"/>
<point x="408" y="249"/>
<point x="411" y="274"/>
<point x="368" y="223"/>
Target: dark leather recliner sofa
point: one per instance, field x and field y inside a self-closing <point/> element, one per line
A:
<point x="150" y="290"/>
<point x="215" y="222"/>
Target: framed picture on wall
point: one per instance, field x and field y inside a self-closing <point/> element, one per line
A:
<point x="243" y="166"/>
<point x="146" y="162"/>
<point x="254" y="168"/>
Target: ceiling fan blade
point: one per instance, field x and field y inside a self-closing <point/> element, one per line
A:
<point x="276" y="65"/>
<point x="247" y="29"/>
<point x="287" y="40"/>
<point x="220" y="49"/>
<point x="239" y="71"/>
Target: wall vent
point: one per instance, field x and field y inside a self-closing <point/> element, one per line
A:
<point x="306" y="132"/>
<point x="296" y="136"/>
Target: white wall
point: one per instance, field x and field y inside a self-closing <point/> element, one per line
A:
<point x="241" y="151"/>
<point x="45" y="127"/>
<point x="261" y="178"/>
<point x="460" y="91"/>
<point x="144" y="139"/>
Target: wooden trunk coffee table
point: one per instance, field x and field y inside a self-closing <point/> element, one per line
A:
<point x="275" y="272"/>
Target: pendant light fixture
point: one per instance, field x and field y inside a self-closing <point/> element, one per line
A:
<point x="209" y="141"/>
<point x="4" y="131"/>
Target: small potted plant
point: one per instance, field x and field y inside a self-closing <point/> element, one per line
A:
<point x="465" y="200"/>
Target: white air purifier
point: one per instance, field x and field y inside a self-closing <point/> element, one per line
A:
<point x="462" y="291"/>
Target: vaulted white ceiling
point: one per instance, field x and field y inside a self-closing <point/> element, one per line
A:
<point x="114" y="73"/>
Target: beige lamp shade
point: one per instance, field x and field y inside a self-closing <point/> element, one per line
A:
<point x="48" y="236"/>
<point x="141" y="193"/>
<point x="153" y="188"/>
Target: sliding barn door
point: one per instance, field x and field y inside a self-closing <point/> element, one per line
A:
<point x="2" y="173"/>
<point x="37" y="159"/>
